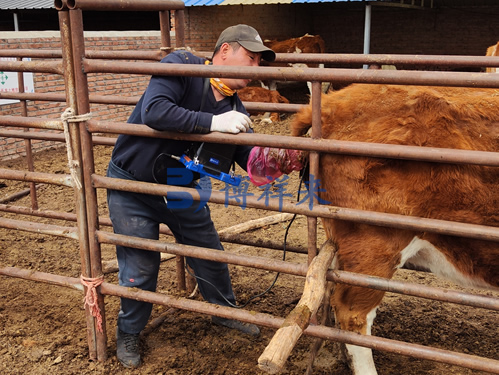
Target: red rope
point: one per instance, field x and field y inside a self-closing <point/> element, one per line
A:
<point x="91" y="297"/>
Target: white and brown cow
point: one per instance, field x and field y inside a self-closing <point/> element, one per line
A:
<point x="262" y="95"/>
<point x="493" y="51"/>
<point x="458" y="118"/>
<point x="303" y="44"/>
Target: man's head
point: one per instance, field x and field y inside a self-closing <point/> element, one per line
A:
<point x="247" y="37"/>
<point x="240" y="45"/>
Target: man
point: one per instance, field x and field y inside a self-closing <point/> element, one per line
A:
<point x="188" y="105"/>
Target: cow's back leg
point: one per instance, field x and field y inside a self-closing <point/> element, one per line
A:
<point x="356" y="316"/>
<point x="367" y="250"/>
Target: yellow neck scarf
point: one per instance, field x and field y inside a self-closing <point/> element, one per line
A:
<point x="221" y="87"/>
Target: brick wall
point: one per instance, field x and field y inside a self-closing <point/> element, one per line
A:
<point x="273" y="21"/>
<point x="100" y="84"/>
<point x="443" y="31"/>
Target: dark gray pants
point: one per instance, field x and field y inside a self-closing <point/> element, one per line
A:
<point x="139" y="215"/>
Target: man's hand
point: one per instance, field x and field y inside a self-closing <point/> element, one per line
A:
<point x="230" y="122"/>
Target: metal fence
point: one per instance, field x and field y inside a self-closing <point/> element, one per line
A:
<point x="78" y="130"/>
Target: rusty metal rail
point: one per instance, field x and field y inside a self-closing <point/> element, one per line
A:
<point x="383" y="59"/>
<point x="56" y="179"/>
<point x="53" y="97"/>
<point x="452" y="228"/>
<point x="332" y="59"/>
<point x="57" y="137"/>
<point x="31" y="122"/>
<point x="28" y="226"/>
<point x="132" y="100"/>
<point x="32" y="66"/>
<point x="92" y="54"/>
<point x="327" y="333"/>
<point x="324" y="58"/>
<point x="423" y="291"/>
<point x="406" y="77"/>
<point x="240" y="239"/>
<point x="135" y="5"/>
<point x="432" y="154"/>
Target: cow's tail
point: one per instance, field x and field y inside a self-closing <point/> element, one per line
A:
<point x="302" y="122"/>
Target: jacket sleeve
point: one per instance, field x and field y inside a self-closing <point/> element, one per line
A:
<point x="242" y="151"/>
<point x="172" y="102"/>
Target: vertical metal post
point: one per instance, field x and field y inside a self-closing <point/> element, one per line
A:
<point x="27" y="141"/>
<point x="179" y="28"/>
<point x="90" y="196"/>
<point x="70" y="89"/>
<point x="16" y="22"/>
<point x="165" y="27"/>
<point x="314" y="174"/>
<point x="367" y="32"/>
<point x="314" y="165"/>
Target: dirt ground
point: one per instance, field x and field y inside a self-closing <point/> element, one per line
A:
<point x="42" y="327"/>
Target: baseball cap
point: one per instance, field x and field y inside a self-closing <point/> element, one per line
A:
<point x="247" y="37"/>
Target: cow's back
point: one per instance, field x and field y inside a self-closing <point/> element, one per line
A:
<point x="421" y="116"/>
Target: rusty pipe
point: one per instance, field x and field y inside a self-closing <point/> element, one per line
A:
<point x="126" y="5"/>
<point x="56" y="137"/>
<point x="416" y="290"/>
<point x="344" y="277"/>
<point x="398" y="221"/>
<point x="342" y="59"/>
<point x="100" y="99"/>
<point x="267" y="320"/>
<point x="10" y="174"/>
<point x="32" y="66"/>
<point x="406" y="77"/>
<point x="33" y="53"/>
<point x="132" y="100"/>
<point x="92" y="54"/>
<point x="432" y="154"/>
<point x="28" y="226"/>
<point x="322" y="58"/>
<point x="240" y="239"/>
<point x="60" y="5"/>
<point x="31" y="122"/>
<point x="380" y="59"/>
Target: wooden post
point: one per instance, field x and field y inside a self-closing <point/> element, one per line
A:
<point x="278" y="350"/>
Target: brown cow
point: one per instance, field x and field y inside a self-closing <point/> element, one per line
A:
<point x="493" y="51"/>
<point x="304" y="44"/>
<point x="458" y="118"/>
<point x="260" y="94"/>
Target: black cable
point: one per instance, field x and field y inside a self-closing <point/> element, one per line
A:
<point x="283" y="257"/>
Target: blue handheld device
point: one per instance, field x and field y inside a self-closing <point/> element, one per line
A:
<point x="195" y="166"/>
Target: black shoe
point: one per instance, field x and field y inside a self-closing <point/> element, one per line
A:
<point x="127" y="348"/>
<point x="248" y="328"/>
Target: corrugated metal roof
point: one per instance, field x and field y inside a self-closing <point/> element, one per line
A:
<point x="202" y="2"/>
<point x="189" y="3"/>
<point x="26" y="4"/>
